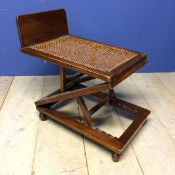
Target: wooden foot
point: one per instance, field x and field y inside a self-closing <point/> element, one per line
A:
<point x="43" y="117"/>
<point x="115" y="157"/>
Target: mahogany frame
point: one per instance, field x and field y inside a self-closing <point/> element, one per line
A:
<point x="30" y="28"/>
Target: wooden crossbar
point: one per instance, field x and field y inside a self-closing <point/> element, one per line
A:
<point x="124" y="105"/>
<point x="84" y="110"/>
<point x="99" y="105"/>
<point x="79" y="80"/>
<point x="73" y="77"/>
<point x="73" y="94"/>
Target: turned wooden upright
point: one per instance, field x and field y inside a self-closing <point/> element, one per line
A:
<point x="45" y="35"/>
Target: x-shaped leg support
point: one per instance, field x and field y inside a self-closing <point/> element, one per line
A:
<point x="71" y="87"/>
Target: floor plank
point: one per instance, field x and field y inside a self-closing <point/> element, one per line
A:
<point x="58" y="150"/>
<point x="22" y="134"/>
<point x="153" y="146"/>
<point x="99" y="159"/>
<point x="160" y="99"/>
<point x="18" y="126"/>
<point x="5" y="83"/>
<point x="168" y="79"/>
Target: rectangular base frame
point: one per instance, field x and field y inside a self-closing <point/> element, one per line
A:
<point x="71" y="87"/>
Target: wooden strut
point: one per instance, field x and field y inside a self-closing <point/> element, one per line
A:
<point x="116" y="145"/>
<point x="72" y="94"/>
<point x="84" y="110"/>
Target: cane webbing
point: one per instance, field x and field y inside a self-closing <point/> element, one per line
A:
<point x="87" y="53"/>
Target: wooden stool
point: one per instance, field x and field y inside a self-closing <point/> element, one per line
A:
<point x="45" y="35"/>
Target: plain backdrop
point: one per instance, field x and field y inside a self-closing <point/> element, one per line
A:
<point x="143" y="25"/>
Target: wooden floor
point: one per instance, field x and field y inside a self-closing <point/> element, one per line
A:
<point x="29" y="146"/>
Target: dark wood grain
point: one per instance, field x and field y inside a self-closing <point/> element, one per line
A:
<point x="39" y="27"/>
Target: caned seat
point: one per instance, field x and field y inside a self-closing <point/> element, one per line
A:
<point x="98" y="58"/>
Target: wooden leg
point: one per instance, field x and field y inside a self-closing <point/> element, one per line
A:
<point x="62" y="78"/>
<point x="115" y="157"/>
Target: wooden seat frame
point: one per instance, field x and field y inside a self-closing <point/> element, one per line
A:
<point x="71" y="87"/>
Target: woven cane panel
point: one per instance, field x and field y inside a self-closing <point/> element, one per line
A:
<point x="87" y="53"/>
